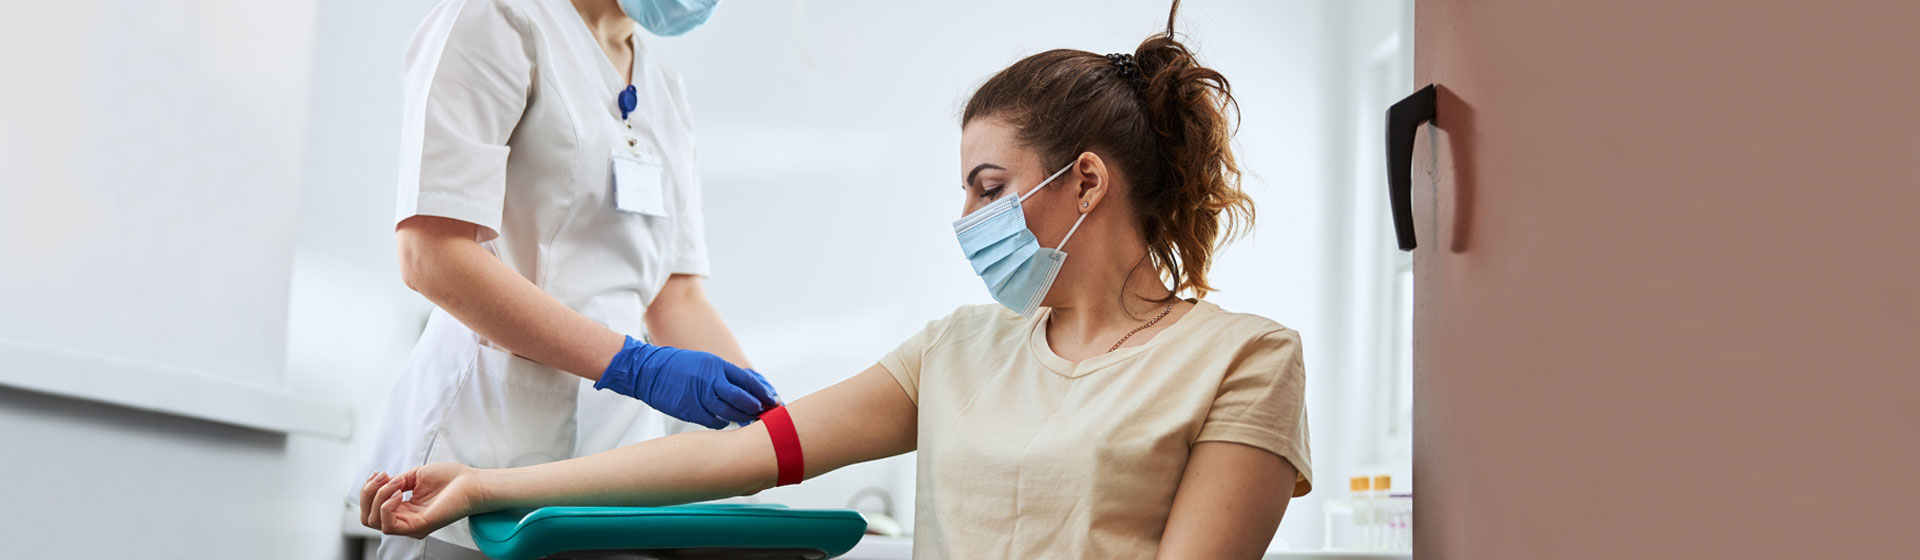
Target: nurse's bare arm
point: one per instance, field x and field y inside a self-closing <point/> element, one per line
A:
<point x="680" y="316"/>
<point x="1229" y="503"/>
<point x="440" y="259"/>
<point x="864" y="418"/>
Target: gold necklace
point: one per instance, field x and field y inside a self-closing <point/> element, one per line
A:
<point x="1156" y="319"/>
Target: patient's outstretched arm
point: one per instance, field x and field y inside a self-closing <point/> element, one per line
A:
<point x="866" y="417"/>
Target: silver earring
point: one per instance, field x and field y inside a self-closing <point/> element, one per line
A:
<point x="1083" y="205"/>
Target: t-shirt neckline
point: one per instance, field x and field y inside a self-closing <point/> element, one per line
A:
<point x="1043" y="350"/>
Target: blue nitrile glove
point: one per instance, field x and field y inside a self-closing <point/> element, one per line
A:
<point x="688" y="384"/>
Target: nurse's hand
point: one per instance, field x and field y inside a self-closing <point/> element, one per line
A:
<point x="690" y="385"/>
<point x="442" y="494"/>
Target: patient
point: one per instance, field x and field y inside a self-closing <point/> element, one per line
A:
<point x="1092" y="413"/>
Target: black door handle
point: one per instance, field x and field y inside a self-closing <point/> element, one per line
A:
<point x="1403" y="121"/>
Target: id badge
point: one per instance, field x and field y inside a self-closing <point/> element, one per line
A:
<point x="639" y="184"/>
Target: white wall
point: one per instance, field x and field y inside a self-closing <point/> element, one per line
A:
<point x="829" y="139"/>
<point x="1368" y="71"/>
<point x="139" y="139"/>
<point x="152" y="157"/>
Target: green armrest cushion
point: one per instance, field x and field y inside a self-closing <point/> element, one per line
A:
<point x="527" y="534"/>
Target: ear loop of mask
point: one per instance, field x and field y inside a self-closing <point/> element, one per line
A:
<point x="1043" y="184"/>
<point x="1076" y="227"/>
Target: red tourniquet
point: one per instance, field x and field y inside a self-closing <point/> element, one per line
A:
<point x="786" y="446"/>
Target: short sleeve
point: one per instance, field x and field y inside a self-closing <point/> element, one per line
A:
<point x="690" y="225"/>
<point x="469" y="74"/>
<point x="905" y="360"/>
<point x="1262" y="403"/>
<point x="690" y="237"/>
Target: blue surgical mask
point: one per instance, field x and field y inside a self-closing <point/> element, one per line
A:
<point x="669" y="18"/>
<point x="1017" y="270"/>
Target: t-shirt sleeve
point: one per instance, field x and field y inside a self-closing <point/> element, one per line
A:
<point x="469" y="72"/>
<point x="905" y="360"/>
<point x="1262" y="403"/>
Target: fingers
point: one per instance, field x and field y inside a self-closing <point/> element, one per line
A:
<point x="755" y="385"/>
<point x="389" y="521"/>
<point x="703" y="415"/>
<point x="370" y="516"/>
<point x="734" y="405"/>
<point x="410" y="478"/>
<point x="389" y="490"/>
<point x="400" y="516"/>
<point x="772" y="395"/>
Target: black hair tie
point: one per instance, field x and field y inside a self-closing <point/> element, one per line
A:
<point x="1129" y="70"/>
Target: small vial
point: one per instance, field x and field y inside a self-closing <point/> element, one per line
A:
<point x="1403" y="522"/>
<point x="1362" y="499"/>
<point x="1383" y="530"/>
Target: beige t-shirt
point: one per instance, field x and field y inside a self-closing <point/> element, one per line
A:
<point x="1024" y="454"/>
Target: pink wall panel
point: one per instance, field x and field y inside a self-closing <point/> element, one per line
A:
<point x="1668" y="287"/>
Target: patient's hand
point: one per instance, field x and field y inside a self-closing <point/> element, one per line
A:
<point x="442" y="493"/>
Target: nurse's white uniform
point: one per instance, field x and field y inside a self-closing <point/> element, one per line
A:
<point x="511" y="123"/>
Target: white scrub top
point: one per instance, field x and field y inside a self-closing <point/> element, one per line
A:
<point x="511" y="123"/>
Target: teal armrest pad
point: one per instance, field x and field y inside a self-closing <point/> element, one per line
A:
<point x="526" y="534"/>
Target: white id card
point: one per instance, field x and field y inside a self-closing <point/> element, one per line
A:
<point x="639" y="184"/>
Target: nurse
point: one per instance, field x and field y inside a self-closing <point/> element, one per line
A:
<point x="548" y="207"/>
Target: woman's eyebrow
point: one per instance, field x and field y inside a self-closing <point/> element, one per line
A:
<point x="978" y="168"/>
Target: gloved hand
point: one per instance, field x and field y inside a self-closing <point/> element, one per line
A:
<point x="688" y="384"/>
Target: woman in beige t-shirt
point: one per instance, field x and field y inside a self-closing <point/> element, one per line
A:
<point x="1091" y="413"/>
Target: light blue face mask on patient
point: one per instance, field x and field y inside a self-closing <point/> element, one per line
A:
<point x="1017" y="270"/>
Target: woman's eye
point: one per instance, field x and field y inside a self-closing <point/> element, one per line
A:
<point x="991" y="193"/>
